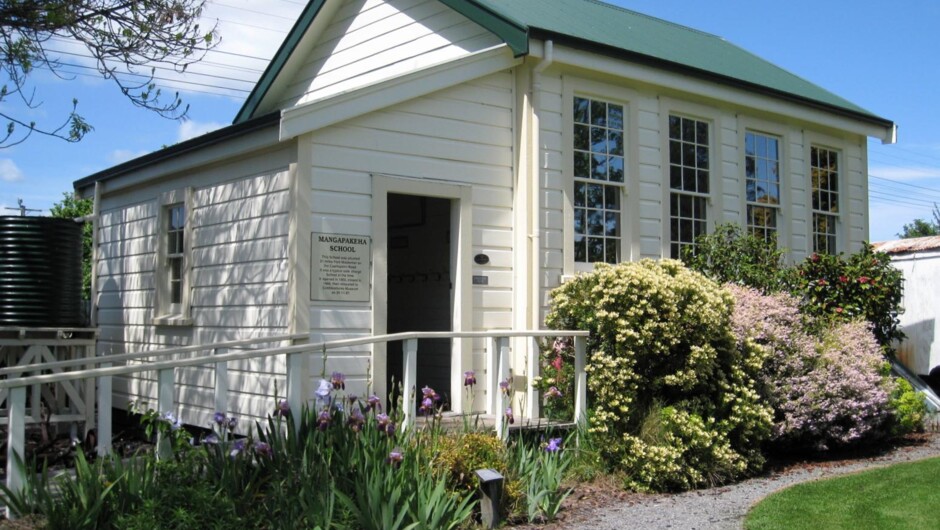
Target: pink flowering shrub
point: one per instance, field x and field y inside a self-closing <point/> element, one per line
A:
<point x="826" y="391"/>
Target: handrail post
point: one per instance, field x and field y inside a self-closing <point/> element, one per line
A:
<point x="295" y="384"/>
<point x="221" y="384"/>
<point x="534" y="402"/>
<point x="409" y="379"/>
<point x="104" y="412"/>
<point x="165" y="394"/>
<point x="16" y="433"/>
<point x="580" y="379"/>
<point x="502" y="374"/>
<point x="493" y="400"/>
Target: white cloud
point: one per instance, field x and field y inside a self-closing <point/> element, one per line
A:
<point x="9" y="172"/>
<point x="123" y="155"/>
<point x="191" y="129"/>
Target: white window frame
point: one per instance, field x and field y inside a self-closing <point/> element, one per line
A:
<point x="579" y="87"/>
<point x="167" y="313"/>
<point x="839" y="243"/>
<point x="669" y="107"/>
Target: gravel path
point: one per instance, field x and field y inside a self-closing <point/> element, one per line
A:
<point x="725" y="507"/>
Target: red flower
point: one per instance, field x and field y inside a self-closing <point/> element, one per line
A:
<point x="863" y="279"/>
<point x="822" y="282"/>
<point x="838" y="310"/>
<point x="557" y="363"/>
<point x="843" y="279"/>
<point x="814" y="258"/>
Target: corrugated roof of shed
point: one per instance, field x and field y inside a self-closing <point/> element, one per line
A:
<point x="913" y="244"/>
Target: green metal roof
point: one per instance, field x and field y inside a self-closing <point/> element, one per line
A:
<point x="618" y="32"/>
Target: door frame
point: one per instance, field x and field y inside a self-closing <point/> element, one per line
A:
<point x="461" y="247"/>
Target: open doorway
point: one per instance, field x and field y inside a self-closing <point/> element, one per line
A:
<point x="420" y="293"/>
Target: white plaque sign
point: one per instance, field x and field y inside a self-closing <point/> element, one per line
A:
<point x="340" y="267"/>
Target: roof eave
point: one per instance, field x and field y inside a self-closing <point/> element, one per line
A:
<point x="280" y="59"/>
<point x="511" y="31"/>
<point x="648" y="60"/>
<point x="200" y="142"/>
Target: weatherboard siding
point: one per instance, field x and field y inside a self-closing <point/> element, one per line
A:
<point x="238" y="284"/>
<point x="372" y="40"/>
<point x="461" y="135"/>
<point x="645" y="201"/>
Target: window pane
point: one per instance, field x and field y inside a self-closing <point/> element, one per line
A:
<point x="598" y="113"/>
<point x="615" y="116"/>
<point x="596" y="249"/>
<point x="580" y="192"/>
<point x="599" y="167"/>
<point x="581" y="110"/>
<point x="595" y="196"/>
<point x="612" y="250"/>
<point x="612" y="197"/>
<point x="579" y="220"/>
<point x="598" y="140"/>
<point x="582" y="165"/>
<point x="688" y="130"/>
<point x="595" y="222"/>
<point x="611" y="223"/>
<point x="701" y="132"/>
<point x="580" y="248"/>
<point x="616" y="168"/>
<point x="615" y="142"/>
<point x="675" y="130"/>
<point x="581" y="137"/>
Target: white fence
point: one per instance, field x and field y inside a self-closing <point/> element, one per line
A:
<point x="497" y="369"/>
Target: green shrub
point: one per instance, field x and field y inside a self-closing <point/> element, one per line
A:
<point x="461" y="455"/>
<point x="661" y="344"/>
<point x="842" y="288"/>
<point x="731" y="255"/>
<point x="908" y="408"/>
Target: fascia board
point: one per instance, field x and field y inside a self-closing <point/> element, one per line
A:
<point x="720" y="92"/>
<point x="348" y="105"/>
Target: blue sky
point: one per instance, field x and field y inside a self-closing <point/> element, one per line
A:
<point x="882" y="56"/>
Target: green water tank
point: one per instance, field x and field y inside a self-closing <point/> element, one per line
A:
<point x="40" y="272"/>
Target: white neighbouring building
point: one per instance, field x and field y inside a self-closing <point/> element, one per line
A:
<point x="442" y="165"/>
<point x="918" y="259"/>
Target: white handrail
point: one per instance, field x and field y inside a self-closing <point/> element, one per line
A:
<point x="497" y="368"/>
<point x="267" y="352"/>
<point x="141" y="354"/>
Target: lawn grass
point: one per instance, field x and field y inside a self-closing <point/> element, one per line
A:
<point x="900" y="496"/>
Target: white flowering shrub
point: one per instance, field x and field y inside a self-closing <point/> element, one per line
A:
<point x="674" y="401"/>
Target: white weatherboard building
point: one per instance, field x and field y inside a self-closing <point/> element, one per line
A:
<point x="442" y="165"/>
<point x="919" y="260"/>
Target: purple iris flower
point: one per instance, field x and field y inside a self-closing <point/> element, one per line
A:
<point x="374" y="403"/>
<point x="504" y="386"/>
<point x="429" y="393"/>
<point x="174" y="422"/>
<point x="469" y="378"/>
<point x="338" y="380"/>
<point x="237" y="447"/>
<point x="323" y="420"/>
<point x="261" y="449"/>
<point x="509" y="417"/>
<point x="553" y="393"/>
<point x="218" y="418"/>
<point x="212" y="439"/>
<point x="395" y="457"/>
<point x="356" y="420"/>
<point x="283" y="409"/>
<point x="427" y="406"/>
<point x="554" y="445"/>
<point x="385" y="424"/>
<point x="232" y="423"/>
